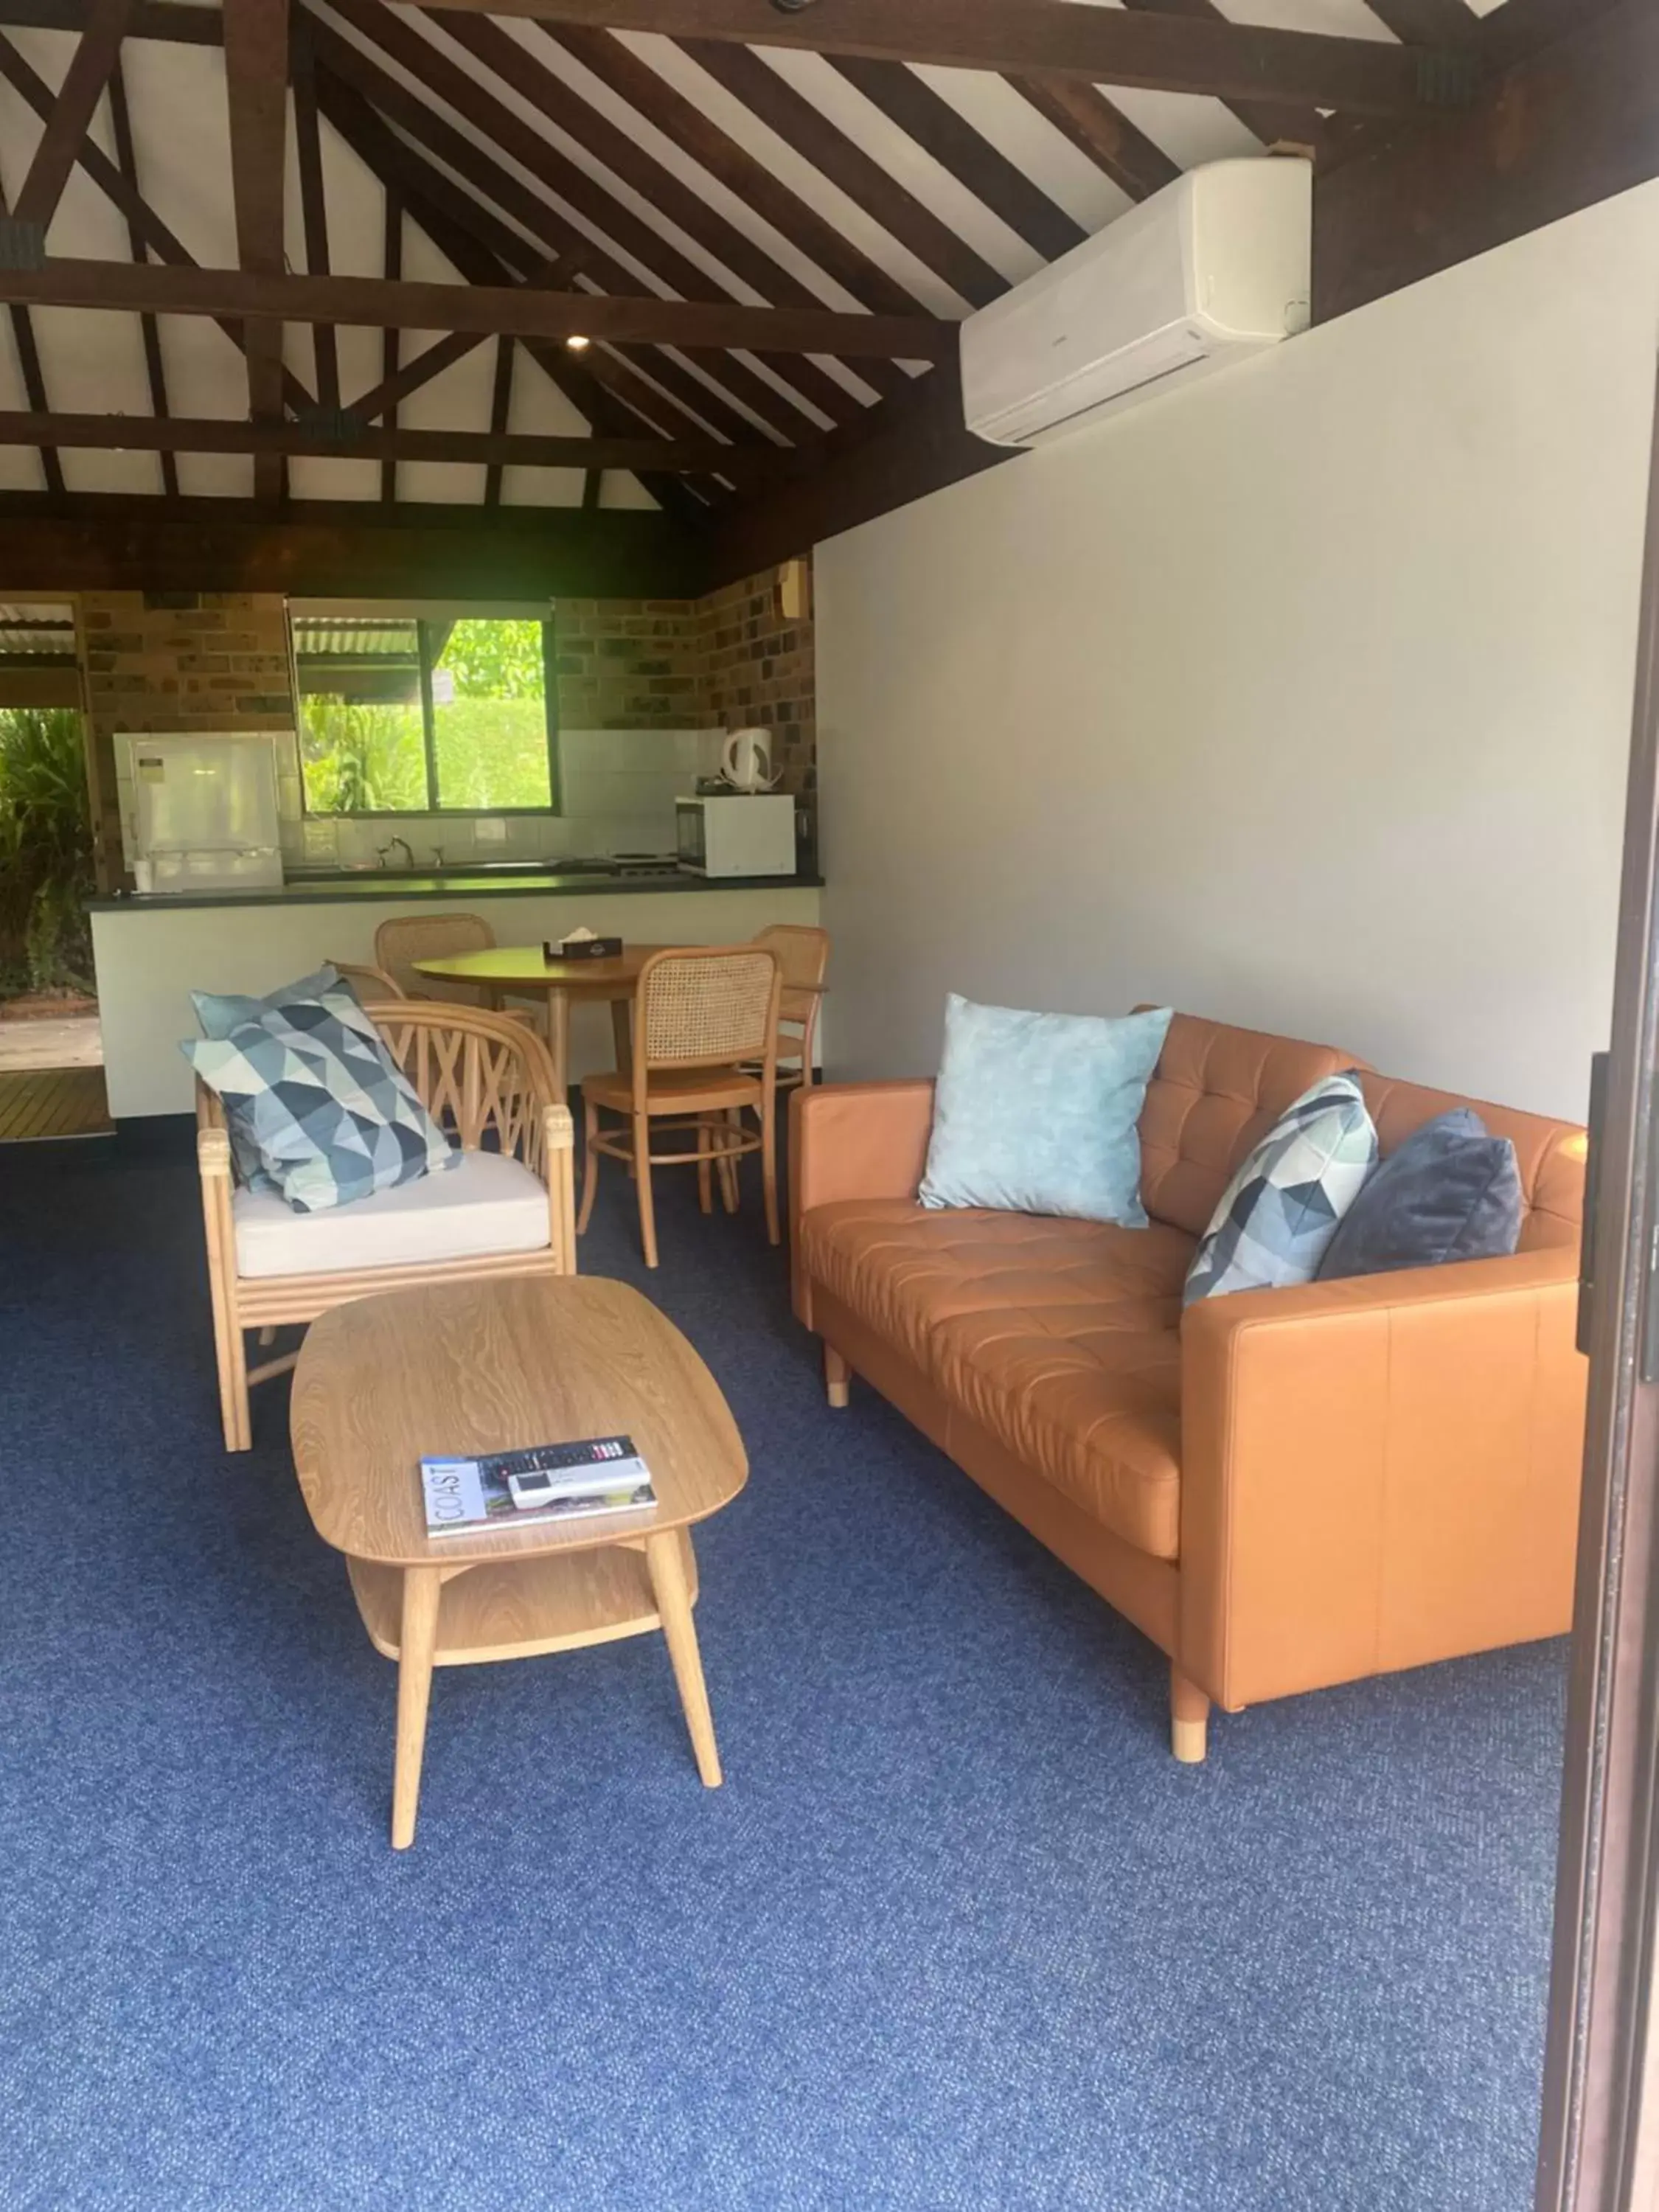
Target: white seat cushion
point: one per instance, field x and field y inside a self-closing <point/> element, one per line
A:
<point x="485" y="1203"/>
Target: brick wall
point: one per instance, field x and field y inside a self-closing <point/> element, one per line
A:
<point x="758" y="670"/>
<point x="630" y="664"/>
<point x="176" y="660"/>
<point x="218" y="660"/>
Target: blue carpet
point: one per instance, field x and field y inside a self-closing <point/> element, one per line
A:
<point x="957" y="1935"/>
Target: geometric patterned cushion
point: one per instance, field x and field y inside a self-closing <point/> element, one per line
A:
<point x="219" y="1012"/>
<point x="1281" y="1209"/>
<point x="318" y="1101"/>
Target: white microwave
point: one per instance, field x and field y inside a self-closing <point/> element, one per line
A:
<point x="737" y="833"/>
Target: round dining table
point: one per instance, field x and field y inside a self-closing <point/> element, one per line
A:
<point x="506" y="971"/>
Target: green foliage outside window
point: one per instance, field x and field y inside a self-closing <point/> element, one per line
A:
<point x="491" y="744"/>
<point x="46" y="852"/>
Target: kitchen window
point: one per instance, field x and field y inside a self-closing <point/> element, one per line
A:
<point x="425" y="709"/>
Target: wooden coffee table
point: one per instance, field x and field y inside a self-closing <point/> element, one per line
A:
<point x="464" y="1368"/>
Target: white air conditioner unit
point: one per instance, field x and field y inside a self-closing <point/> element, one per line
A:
<point x="1214" y="266"/>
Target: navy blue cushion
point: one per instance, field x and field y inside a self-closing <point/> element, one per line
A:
<point x="1450" y="1192"/>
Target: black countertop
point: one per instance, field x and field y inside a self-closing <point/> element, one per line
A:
<point x="384" y="885"/>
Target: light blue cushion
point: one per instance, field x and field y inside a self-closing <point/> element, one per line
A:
<point x="1277" y="1217"/>
<point x="320" y="1104"/>
<point x="219" y="1012"/>
<point x="1037" y="1112"/>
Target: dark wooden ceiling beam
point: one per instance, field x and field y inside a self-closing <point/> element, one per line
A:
<point x="313" y="200"/>
<point x="1136" y="164"/>
<point x="1235" y="62"/>
<point x="698" y="326"/>
<point x="625" y="157"/>
<point x="149" y="328"/>
<point x="34" y="385"/>
<point x="809" y="131"/>
<point x="503" y="129"/>
<point x="1275" y="123"/>
<point x="124" y="196"/>
<point x="485" y="250"/>
<point x="1429" y="23"/>
<point x="907" y="448"/>
<point x="391" y="265"/>
<point x="492" y="448"/>
<point x="255" y="82"/>
<point x="337" y="549"/>
<point x="501" y="408"/>
<point x="693" y="130"/>
<point x="1577" y="122"/>
<point x="72" y="116"/>
<point x="178" y="22"/>
<point x="964" y="153"/>
<point x="1023" y="38"/>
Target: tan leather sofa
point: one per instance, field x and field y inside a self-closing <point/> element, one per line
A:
<point x="1283" y="1489"/>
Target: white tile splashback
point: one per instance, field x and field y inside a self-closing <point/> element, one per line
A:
<point x="617" y="787"/>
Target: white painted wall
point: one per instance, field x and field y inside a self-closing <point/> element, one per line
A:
<point x="149" y="960"/>
<point x="1300" y="699"/>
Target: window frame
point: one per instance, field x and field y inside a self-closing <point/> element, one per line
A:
<point x="423" y="613"/>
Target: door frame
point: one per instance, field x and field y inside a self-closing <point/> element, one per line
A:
<point x="1598" y="2148"/>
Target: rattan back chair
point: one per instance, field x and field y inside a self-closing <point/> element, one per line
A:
<point x="400" y="943"/>
<point x="489" y="1080"/>
<point x="803" y="955"/>
<point x="699" y="1012"/>
<point x="367" y="981"/>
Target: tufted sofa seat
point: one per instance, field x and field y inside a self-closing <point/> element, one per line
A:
<point x="1283" y="1489"/>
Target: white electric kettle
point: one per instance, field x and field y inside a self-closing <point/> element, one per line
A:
<point x="747" y="763"/>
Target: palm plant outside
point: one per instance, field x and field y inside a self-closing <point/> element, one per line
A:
<point x="46" y="852"/>
<point x="490" y="732"/>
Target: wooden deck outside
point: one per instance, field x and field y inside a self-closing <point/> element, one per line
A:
<point x="54" y="1102"/>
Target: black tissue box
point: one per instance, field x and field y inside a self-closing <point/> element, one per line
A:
<point x="585" y="948"/>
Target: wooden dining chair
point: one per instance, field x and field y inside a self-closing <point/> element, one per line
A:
<point x="698" y="1012"/>
<point x="504" y="1208"/>
<point x="803" y="956"/>
<point x="400" y="943"/>
<point x="367" y="981"/>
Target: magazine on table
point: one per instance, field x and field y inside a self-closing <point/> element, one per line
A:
<point x="540" y="1483"/>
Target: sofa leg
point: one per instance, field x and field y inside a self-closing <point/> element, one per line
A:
<point x="1190" y="1718"/>
<point x="837" y="1375"/>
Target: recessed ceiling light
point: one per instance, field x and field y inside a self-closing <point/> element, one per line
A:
<point x="578" y="343"/>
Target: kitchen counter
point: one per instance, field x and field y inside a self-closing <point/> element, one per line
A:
<point x="351" y="886"/>
<point x="151" y="952"/>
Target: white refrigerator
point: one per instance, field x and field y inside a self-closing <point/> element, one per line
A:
<point x="204" y="811"/>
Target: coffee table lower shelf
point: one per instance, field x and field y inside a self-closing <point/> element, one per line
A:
<point x="520" y="1607"/>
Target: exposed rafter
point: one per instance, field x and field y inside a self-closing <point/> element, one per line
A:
<point x="154" y="369"/>
<point x="391" y="265"/>
<point x="922" y="114"/>
<point x="1207" y="54"/>
<point x="1134" y="162"/>
<point x="124" y="194"/>
<point x="760" y="89"/>
<point x="501" y="408"/>
<point x="34" y="386"/>
<point x="313" y="200"/>
<point x="493" y="448"/>
<point x="622" y="154"/>
<point x="340" y="549"/>
<point x="70" y="118"/>
<point x="696" y="325"/>
<point x="1054" y="38"/>
<point x="602" y="383"/>
<point x="256" y="78"/>
<point x="505" y="130"/>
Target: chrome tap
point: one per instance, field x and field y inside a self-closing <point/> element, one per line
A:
<point x="391" y="844"/>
